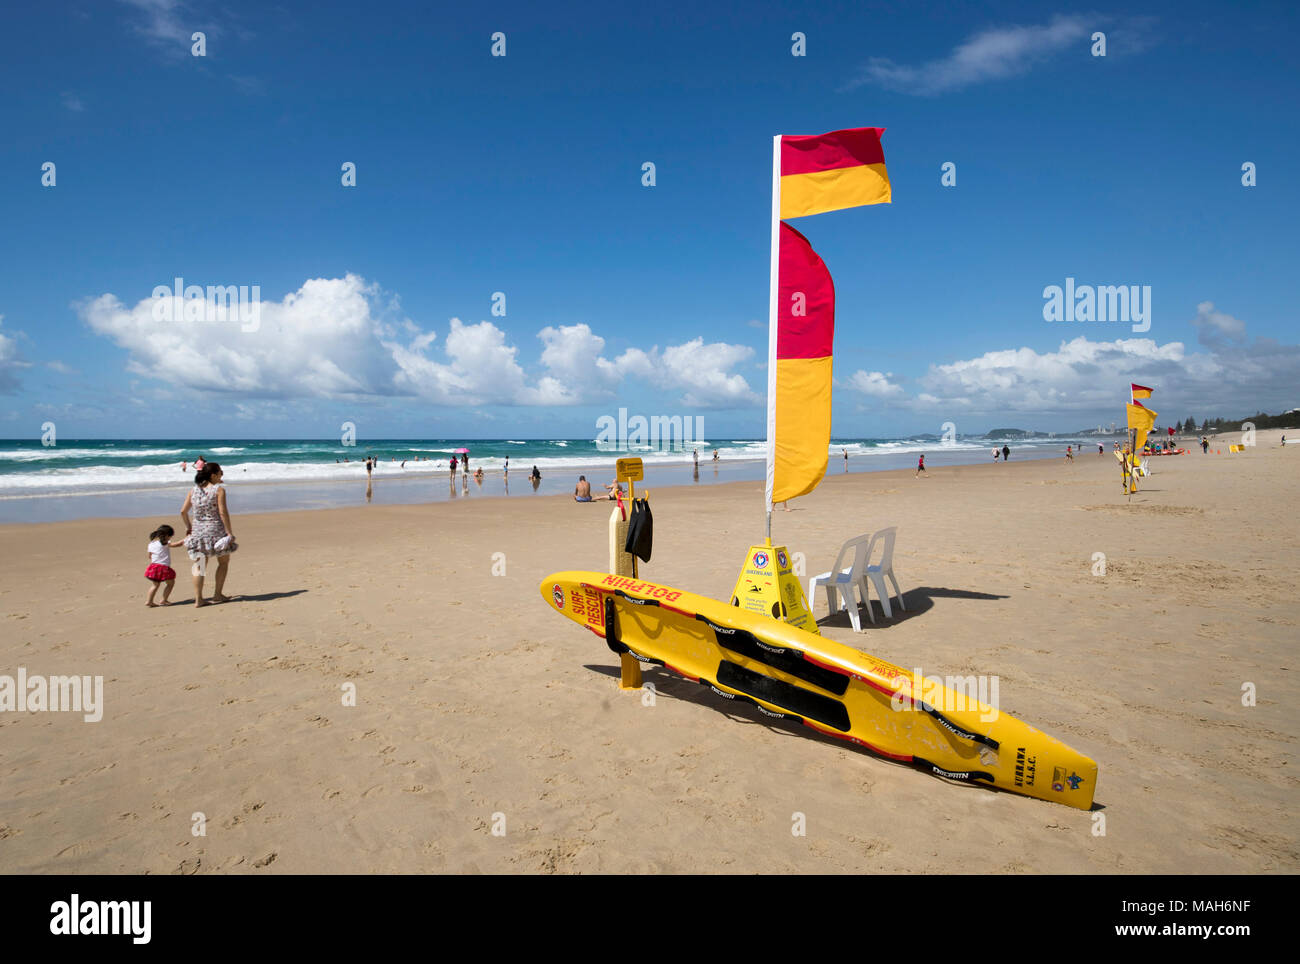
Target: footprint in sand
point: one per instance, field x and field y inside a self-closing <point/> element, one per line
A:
<point x="268" y="859"/>
<point x="188" y="867"/>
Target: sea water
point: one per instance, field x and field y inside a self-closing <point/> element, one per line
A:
<point x="133" y="477"/>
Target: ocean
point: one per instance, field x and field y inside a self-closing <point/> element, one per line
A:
<point x="88" y="478"/>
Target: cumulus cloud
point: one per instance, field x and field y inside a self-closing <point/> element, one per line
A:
<point x="480" y="368"/>
<point x="10" y="363"/>
<point x="1234" y="377"/>
<point x="1216" y="329"/>
<point x="1079" y="375"/>
<point x="876" y="384"/>
<point x="321" y="340"/>
<point x="332" y="339"/>
<point x="991" y="54"/>
<point x="703" y="371"/>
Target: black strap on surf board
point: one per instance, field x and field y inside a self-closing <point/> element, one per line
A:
<point x="805" y="703"/>
<point x="611" y="631"/>
<point x="959" y="776"/>
<point x="785" y="659"/>
<point x="943" y="721"/>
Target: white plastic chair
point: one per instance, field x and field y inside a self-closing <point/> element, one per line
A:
<point x="877" y="573"/>
<point x="842" y="581"/>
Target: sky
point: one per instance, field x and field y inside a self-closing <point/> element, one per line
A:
<point x="502" y="269"/>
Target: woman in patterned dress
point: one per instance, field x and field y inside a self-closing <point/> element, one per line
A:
<point x="210" y="536"/>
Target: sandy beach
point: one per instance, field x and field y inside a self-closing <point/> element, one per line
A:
<point x="478" y="708"/>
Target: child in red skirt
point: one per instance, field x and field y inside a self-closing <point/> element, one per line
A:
<point x="160" y="569"/>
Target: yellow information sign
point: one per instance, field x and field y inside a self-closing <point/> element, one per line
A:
<point x="629" y="470"/>
<point x="768" y="585"/>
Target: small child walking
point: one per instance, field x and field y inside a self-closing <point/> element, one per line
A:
<point x="160" y="571"/>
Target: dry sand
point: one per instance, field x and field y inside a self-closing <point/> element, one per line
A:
<point x="474" y="700"/>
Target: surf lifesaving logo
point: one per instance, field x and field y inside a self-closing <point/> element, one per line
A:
<point x="557" y="594"/>
<point x="781" y="559"/>
<point x="761" y="560"/>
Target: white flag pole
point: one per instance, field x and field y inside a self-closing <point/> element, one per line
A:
<point x="771" y="328"/>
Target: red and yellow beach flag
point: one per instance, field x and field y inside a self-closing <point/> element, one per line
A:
<point x="801" y="381"/>
<point x="1139" y="391"/>
<point x="810" y="175"/>
<point x="829" y="172"/>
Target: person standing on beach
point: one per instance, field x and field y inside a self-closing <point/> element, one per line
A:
<point x="1069" y="453"/>
<point x="846" y="459"/>
<point x="715" y="455"/>
<point x="920" y="465"/>
<point x="453" y="466"/>
<point x="696" y="456"/>
<point x="211" y="535"/>
<point x="159" y="572"/>
<point x="1205" y="445"/>
<point x="507" y="471"/>
<point x="995" y="453"/>
<point x="1006" y="454"/>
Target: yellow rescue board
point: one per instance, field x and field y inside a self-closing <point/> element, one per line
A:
<point x="832" y="688"/>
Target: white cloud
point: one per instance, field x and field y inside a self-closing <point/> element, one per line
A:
<point x="10" y="363"/>
<point x="480" y="368"/>
<point x="877" y="384"/>
<point x="1079" y="375"/>
<point x="162" y="21"/>
<point x="988" y="55"/>
<point x="704" y="372"/>
<point x="331" y="338"/>
<point x="1215" y="329"/>
<point x="1235" y="377"/>
<point x="320" y="340"/>
<point x="572" y="356"/>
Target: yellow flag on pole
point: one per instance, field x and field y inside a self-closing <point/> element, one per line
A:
<point x="1144" y="420"/>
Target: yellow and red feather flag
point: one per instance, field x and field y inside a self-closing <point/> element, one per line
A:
<point x="801" y="381"/>
<point x="810" y="175"/>
<point x="1139" y="391"/>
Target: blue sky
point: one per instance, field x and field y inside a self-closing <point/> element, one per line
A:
<point x="522" y="174"/>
